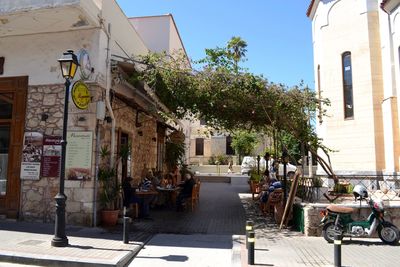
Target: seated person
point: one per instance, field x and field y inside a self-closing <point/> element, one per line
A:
<point x="273" y="185"/>
<point x="156" y="179"/>
<point x="129" y="193"/>
<point x="186" y="191"/>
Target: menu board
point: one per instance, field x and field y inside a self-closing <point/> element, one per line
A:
<point x="79" y="155"/>
<point x="31" y="156"/>
<point x="51" y="156"/>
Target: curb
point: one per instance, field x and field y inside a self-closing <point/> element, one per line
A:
<point x="46" y="260"/>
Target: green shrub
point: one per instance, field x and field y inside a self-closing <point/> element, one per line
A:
<point x="317" y="182"/>
<point x="222" y="159"/>
<point x="343" y="188"/>
<point x="211" y="160"/>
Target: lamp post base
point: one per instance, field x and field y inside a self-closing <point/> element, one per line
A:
<point x="59" y="242"/>
<point x="60" y="239"/>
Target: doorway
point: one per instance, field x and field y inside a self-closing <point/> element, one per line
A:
<point x="13" y="92"/>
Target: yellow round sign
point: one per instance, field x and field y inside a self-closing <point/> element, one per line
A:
<point x="80" y="95"/>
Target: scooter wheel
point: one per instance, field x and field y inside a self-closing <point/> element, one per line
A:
<point x="330" y="230"/>
<point x="389" y="233"/>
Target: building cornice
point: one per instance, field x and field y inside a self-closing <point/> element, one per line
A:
<point x="389" y="5"/>
<point x="311" y="8"/>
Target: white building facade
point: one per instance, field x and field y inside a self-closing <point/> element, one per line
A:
<point x="356" y="62"/>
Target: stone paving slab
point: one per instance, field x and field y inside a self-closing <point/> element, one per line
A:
<point x="186" y="250"/>
<point x="274" y="247"/>
<point x="93" y="249"/>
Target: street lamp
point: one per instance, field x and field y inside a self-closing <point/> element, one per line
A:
<point x="69" y="64"/>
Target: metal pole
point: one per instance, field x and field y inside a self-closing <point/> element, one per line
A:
<point x="285" y="161"/>
<point x="284" y="183"/>
<point x="249" y="227"/>
<point x="250" y="252"/>
<point x="126" y="228"/>
<point x="60" y="239"/>
<point x="337" y="246"/>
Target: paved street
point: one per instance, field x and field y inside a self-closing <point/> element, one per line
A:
<point x="212" y="235"/>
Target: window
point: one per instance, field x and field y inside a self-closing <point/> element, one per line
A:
<point x="229" y="149"/>
<point x="199" y="146"/>
<point x="347" y="86"/>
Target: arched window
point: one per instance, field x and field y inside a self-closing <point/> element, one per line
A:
<point x="347" y="86"/>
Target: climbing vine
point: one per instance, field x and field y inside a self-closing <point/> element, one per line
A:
<point x="228" y="97"/>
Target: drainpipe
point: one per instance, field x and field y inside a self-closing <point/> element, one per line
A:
<point x="96" y="173"/>
<point x="108" y="88"/>
<point x="390" y="97"/>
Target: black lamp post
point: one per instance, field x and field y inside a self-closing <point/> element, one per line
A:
<point x="69" y="64"/>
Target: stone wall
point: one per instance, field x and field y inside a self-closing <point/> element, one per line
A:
<point x="143" y="139"/>
<point x="312" y="218"/>
<point x="37" y="196"/>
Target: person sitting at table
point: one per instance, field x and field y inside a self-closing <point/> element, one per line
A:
<point x="263" y="198"/>
<point x="129" y="193"/>
<point x="186" y="191"/>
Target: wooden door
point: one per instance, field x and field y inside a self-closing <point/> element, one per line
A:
<point x="13" y="93"/>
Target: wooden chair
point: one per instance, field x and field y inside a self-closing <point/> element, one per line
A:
<point x="255" y="188"/>
<point x="198" y="191"/>
<point x="274" y="198"/>
<point x="192" y="201"/>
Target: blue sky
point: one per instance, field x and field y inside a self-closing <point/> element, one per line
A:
<point x="278" y="33"/>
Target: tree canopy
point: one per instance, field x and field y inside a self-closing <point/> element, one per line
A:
<point x="231" y="98"/>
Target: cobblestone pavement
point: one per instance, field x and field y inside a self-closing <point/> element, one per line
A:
<point x="284" y="247"/>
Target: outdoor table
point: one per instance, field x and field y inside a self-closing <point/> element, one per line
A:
<point x="171" y="194"/>
<point x="147" y="196"/>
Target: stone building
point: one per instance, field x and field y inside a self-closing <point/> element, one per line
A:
<point x="356" y="63"/>
<point x="206" y="144"/>
<point x="33" y="35"/>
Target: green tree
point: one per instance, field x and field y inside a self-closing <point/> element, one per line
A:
<point x="244" y="143"/>
<point x="236" y="50"/>
<point x="231" y="100"/>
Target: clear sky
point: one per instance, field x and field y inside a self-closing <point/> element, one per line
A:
<point x="278" y="33"/>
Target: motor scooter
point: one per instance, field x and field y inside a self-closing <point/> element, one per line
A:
<point x="337" y="220"/>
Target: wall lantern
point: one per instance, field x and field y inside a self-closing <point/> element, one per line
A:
<point x="69" y="64"/>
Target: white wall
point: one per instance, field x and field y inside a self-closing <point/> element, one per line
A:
<point x="340" y="26"/>
<point x="38" y="60"/>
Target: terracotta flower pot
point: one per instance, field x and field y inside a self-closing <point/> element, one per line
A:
<point x="109" y="217"/>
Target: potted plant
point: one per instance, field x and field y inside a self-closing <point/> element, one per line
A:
<point x="109" y="189"/>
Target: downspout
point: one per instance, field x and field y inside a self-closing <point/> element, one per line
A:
<point x="390" y="159"/>
<point x="108" y="105"/>
<point x="108" y="102"/>
<point x="96" y="173"/>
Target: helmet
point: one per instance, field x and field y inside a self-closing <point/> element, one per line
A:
<point x="360" y="192"/>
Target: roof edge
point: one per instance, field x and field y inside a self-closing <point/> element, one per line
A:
<point x="310" y="6"/>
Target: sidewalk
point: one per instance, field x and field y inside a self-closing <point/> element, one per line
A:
<point x="30" y="243"/>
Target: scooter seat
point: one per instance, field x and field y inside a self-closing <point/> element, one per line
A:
<point x="339" y="209"/>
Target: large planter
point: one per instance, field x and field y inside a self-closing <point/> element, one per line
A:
<point x="109" y="217"/>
